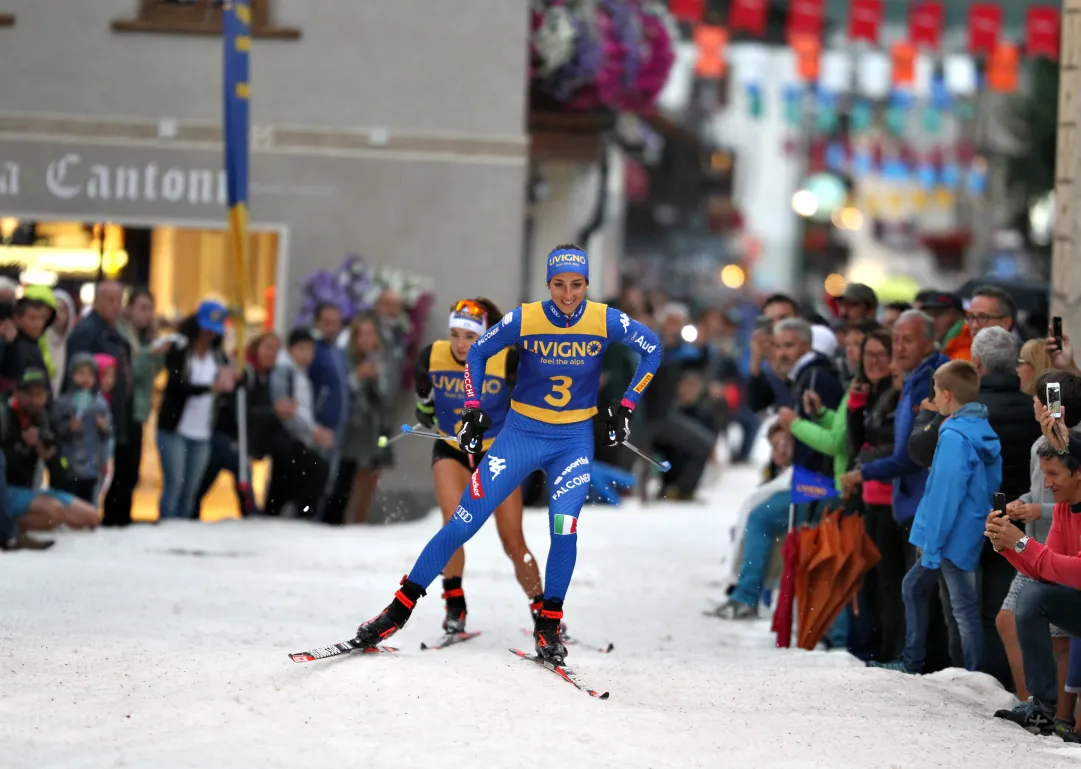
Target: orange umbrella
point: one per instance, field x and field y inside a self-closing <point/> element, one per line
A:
<point x="855" y="555"/>
<point x="826" y="560"/>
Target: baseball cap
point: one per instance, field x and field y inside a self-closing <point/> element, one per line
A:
<point x="938" y="300"/>
<point x="211" y="317"/>
<point x="861" y="293"/>
<point x="33" y="377"/>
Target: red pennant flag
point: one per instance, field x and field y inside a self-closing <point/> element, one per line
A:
<point x="925" y="24"/>
<point x="748" y="15"/>
<point x="984" y="25"/>
<point x="864" y="20"/>
<point x="1042" y="31"/>
<point x="687" y="10"/>
<point x="805" y="19"/>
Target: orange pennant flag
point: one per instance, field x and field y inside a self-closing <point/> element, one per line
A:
<point x="807" y="50"/>
<point x="904" y="64"/>
<point x="711" y="42"/>
<point x="1002" y="68"/>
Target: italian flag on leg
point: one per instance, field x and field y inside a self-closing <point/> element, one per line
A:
<point x="566" y="524"/>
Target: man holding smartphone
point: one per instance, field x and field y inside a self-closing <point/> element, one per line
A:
<point x="1054" y="596"/>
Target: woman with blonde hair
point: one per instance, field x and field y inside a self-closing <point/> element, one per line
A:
<point x="1032" y="361"/>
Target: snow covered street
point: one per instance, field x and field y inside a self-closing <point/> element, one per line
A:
<point x="165" y="647"/>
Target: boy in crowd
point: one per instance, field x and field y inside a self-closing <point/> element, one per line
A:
<point x="949" y="524"/>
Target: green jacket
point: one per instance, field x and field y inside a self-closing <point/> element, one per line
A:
<point x="828" y="436"/>
<point x="145" y="367"/>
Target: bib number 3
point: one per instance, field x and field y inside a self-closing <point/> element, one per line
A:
<point x="561" y="391"/>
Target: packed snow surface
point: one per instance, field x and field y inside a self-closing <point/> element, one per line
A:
<point x="165" y="646"/>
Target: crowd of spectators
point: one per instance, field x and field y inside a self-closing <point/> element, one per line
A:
<point x="79" y="389"/>
<point x="920" y="415"/>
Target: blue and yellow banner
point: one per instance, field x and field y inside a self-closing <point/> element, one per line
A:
<point x="236" y="32"/>
<point x="809" y="486"/>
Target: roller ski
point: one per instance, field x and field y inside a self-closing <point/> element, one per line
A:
<point x="454" y="631"/>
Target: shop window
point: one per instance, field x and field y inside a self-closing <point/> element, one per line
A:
<point x="198" y="17"/>
<point x="7" y="20"/>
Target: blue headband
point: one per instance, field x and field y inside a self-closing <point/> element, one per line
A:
<point x="567" y="260"/>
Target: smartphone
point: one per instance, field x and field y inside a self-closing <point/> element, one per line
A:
<point x="1056" y="330"/>
<point x="763" y="324"/>
<point x="7" y="310"/>
<point x="1054" y="399"/>
<point x="998" y="503"/>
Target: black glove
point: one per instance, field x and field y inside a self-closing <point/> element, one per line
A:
<point x="425" y="412"/>
<point x="619" y="424"/>
<point x="471" y="433"/>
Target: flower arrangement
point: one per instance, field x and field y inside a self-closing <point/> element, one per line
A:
<point x="602" y="54"/>
<point x="355" y="288"/>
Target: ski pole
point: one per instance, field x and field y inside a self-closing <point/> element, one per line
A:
<point x="420" y="432"/>
<point x="663" y="466"/>
<point x="406" y="430"/>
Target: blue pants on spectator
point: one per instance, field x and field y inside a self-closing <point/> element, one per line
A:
<point x="917" y="588"/>
<point x="766" y="525"/>
<point x="225" y="456"/>
<point x="183" y="462"/>
<point x="1073" y="675"/>
<point x="1039" y="606"/>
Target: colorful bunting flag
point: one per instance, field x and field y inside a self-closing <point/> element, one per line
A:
<point x="1042" y="30"/>
<point x="864" y="19"/>
<point x="711" y="42"/>
<point x="687" y="10"/>
<point x="984" y="26"/>
<point x="804" y="19"/>
<point x="925" y="24"/>
<point x="748" y="15"/>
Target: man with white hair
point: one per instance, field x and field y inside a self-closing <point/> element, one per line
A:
<point x="806" y="370"/>
<point x="994" y="354"/>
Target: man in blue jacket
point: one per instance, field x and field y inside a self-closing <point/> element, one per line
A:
<point x="915" y="355"/>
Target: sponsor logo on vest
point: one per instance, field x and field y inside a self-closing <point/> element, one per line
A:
<point x="566" y="470"/>
<point x="475" y="489"/>
<point x="646" y="346"/>
<point x="624" y="321"/>
<point x="562" y="353"/>
<point x="641" y="386"/>
<point x="453" y="385"/>
<point x="573" y="483"/>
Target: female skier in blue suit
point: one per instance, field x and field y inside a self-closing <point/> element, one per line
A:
<point x="549" y="427"/>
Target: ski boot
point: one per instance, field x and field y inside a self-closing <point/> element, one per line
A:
<point x="455" y="601"/>
<point x="389" y="621"/>
<point x="536" y="603"/>
<point x="546" y="632"/>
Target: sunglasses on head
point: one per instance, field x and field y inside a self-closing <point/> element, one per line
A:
<point x="472" y="308"/>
